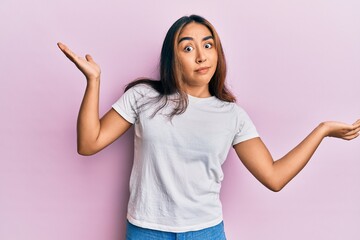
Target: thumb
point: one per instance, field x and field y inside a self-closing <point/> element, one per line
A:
<point x="89" y="58"/>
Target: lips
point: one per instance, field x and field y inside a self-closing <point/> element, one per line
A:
<point x="202" y="70"/>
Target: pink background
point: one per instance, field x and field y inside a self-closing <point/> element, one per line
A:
<point x="292" y="64"/>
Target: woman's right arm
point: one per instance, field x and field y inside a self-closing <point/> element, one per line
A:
<point x="94" y="134"/>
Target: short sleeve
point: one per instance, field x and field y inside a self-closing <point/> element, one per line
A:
<point x="128" y="104"/>
<point x="245" y="128"/>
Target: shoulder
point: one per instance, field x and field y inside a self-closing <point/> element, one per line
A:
<point x="141" y="88"/>
<point x="236" y="111"/>
<point x="141" y="91"/>
<point x="232" y="107"/>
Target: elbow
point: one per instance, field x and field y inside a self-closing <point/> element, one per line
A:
<point x="275" y="185"/>
<point x="84" y="153"/>
<point x="275" y="188"/>
<point x="85" y="150"/>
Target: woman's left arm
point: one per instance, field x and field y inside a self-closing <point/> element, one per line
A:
<point x="276" y="174"/>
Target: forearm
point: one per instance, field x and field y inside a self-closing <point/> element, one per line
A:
<point x="93" y="133"/>
<point x="88" y="124"/>
<point x="275" y="175"/>
<point x="293" y="162"/>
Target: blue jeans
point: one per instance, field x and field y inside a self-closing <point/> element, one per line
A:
<point x="137" y="233"/>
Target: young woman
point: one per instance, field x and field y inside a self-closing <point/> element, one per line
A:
<point x="184" y="126"/>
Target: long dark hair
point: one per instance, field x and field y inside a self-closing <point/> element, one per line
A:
<point x="170" y="72"/>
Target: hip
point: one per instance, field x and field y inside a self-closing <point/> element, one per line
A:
<point x="212" y="233"/>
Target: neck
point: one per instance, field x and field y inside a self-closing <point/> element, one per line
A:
<point x="200" y="92"/>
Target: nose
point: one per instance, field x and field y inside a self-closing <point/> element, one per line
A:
<point x="200" y="57"/>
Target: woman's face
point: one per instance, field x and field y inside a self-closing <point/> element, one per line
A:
<point x="197" y="55"/>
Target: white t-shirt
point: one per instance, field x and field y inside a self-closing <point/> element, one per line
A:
<point x="176" y="176"/>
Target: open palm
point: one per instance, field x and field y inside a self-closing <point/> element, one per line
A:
<point x="342" y="130"/>
<point x="86" y="65"/>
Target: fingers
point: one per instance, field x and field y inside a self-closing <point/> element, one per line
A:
<point x="61" y="45"/>
<point x="354" y="131"/>
<point x="357" y="123"/>
<point x="86" y="65"/>
<point x="351" y="137"/>
<point x="356" y="126"/>
<point x="72" y="56"/>
<point x="69" y="54"/>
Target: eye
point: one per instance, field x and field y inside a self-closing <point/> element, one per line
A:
<point x="208" y="45"/>
<point x="188" y="49"/>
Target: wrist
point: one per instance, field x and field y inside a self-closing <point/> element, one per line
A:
<point x="323" y="128"/>
<point x="93" y="80"/>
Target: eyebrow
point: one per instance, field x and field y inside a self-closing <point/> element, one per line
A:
<point x="190" y="38"/>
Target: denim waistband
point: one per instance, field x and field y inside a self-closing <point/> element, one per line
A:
<point x="212" y="233"/>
